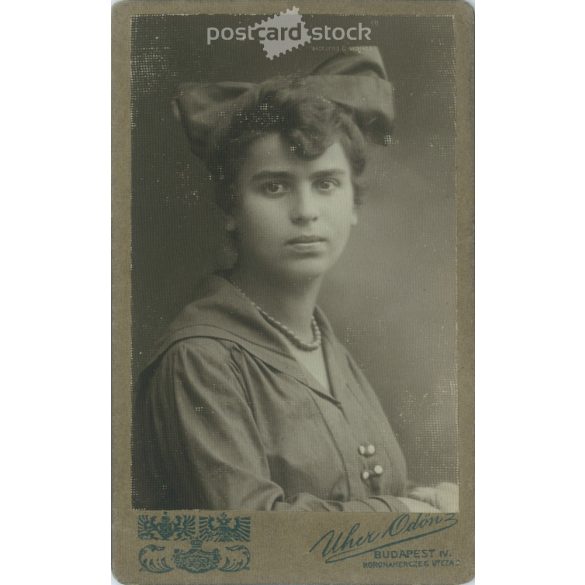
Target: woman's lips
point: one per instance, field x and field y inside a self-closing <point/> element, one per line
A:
<point x="305" y="240"/>
<point x="307" y="244"/>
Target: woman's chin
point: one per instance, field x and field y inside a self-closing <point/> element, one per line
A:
<point x="293" y="269"/>
<point x="305" y="270"/>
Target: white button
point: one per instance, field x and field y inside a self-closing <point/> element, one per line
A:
<point x="365" y="475"/>
<point x="362" y="449"/>
<point x="371" y="449"/>
<point x="378" y="470"/>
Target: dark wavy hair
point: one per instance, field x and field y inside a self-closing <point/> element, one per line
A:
<point x="308" y="123"/>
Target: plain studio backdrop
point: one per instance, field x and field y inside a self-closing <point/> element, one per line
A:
<point x="391" y="298"/>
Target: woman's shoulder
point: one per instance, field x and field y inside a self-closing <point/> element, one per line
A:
<point x="203" y="351"/>
<point x="202" y="326"/>
<point x="206" y="364"/>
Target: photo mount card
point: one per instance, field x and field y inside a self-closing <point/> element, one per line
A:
<point x="293" y="331"/>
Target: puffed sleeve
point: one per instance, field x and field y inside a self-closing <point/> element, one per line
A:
<point x="204" y="444"/>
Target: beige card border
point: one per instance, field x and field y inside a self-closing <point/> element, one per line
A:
<point x="277" y="534"/>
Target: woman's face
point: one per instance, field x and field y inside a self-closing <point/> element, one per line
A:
<point x="294" y="216"/>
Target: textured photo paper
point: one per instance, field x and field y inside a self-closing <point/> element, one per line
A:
<point x="292" y="292"/>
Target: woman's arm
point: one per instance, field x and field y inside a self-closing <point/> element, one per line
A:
<point x="205" y="442"/>
<point x="444" y="496"/>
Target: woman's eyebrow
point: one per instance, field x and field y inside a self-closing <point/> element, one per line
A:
<point x="328" y="173"/>
<point x="263" y="175"/>
<point x="285" y="175"/>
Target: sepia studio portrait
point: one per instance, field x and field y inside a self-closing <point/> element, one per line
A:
<point x="294" y="272"/>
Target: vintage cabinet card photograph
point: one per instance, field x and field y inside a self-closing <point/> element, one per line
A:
<point x="292" y="292"/>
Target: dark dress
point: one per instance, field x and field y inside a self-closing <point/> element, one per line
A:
<point x="226" y="418"/>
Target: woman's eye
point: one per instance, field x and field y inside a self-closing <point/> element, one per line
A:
<point x="274" y="188"/>
<point x="326" y="185"/>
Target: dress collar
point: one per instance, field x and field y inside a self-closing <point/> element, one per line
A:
<point x="220" y="312"/>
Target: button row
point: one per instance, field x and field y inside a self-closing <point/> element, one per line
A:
<point x="377" y="470"/>
<point x="367" y="450"/>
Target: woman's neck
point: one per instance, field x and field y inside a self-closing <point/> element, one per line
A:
<point x="291" y="303"/>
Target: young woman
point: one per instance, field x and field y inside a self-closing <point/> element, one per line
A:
<point x="250" y="401"/>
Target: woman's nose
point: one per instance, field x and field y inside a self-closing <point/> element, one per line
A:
<point x="304" y="206"/>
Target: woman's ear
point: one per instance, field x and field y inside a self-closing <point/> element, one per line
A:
<point x="354" y="215"/>
<point x="230" y="223"/>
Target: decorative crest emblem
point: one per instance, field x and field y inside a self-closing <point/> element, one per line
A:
<point x="179" y="528"/>
<point x="224" y="529"/>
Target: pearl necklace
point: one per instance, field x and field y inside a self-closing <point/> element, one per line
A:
<point x="290" y="335"/>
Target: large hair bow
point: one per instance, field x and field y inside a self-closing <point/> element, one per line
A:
<point x="355" y="80"/>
